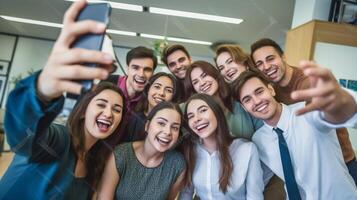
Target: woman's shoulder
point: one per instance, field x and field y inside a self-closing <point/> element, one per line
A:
<point x="176" y="158"/>
<point x="242" y="145"/>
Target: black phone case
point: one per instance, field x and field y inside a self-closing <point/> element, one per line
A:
<point x="98" y="12"/>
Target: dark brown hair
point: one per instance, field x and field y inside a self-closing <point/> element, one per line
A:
<point x="223" y="92"/>
<point x="263" y="43"/>
<point x="141" y="52"/>
<point x="243" y="78"/>
<point x="98" y="154"/>
<point x="223" y="138"/>
<point x="143" y="104"/>
<point x="170" y="49"/>
<point x="238" y="55"/>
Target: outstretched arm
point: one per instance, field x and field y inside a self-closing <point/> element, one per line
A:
<point x="177" y="186"/>
<point x="325" y="94"/>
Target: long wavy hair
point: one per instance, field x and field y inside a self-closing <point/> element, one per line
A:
<point x="223" y="138"/>
<point x="143" y="104"/>
<point x="224" y="92"/>
<point x="97" y="155"/>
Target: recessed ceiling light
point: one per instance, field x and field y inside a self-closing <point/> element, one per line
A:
<point x="193" y="15"/>
<point x="30" y="21"/>
<point x="118" y="32"/>
<point x="123" y="6"/>
<point x="175" y="39"/>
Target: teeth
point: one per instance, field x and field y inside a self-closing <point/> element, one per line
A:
<point x="262" y="107"/>
<point x="231" y="73"/>
<point x="158" y="100"/>
<point x="104" y="122"/>
<point x="164" y="141"/>
<point x="201" y="126"/>
<point x="204" y="89"/>
<point x="271" y="72"/>
<point x="140" y="80"/>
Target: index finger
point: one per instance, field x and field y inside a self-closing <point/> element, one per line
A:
<point x="73" y="10"/>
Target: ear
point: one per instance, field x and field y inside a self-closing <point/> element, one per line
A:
<point x="271" y="90"/>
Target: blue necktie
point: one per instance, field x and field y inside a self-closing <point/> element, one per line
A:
<point x="291" y="185"/>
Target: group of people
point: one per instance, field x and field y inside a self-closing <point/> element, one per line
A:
<point x="245" y="127"/>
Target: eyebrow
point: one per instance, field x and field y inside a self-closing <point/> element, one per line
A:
<point x="203" y="106"/>
<point x="162" y="119"/>
<point x="106" y="101"/>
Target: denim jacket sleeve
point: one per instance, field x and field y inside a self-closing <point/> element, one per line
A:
<point x="28" y="122"/>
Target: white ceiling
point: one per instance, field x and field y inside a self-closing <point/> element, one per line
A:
<point x="262" y="18"/>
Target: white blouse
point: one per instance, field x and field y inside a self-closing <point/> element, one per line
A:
<point x="247" y="177"/>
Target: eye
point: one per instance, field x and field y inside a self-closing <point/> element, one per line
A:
<point x="189" y="117"/>
<point x="148" y="69"/>
<point x="169" y="90"/>
<point x="246" y="100"/>
<point x="203" y="110"/>
<point x="156" y="86"/>
<point x="220" y="68"/>
<point x="161" y="123"/>
<point x="194" y="82"/>
<point x="181" y="60"/>
<point x="230" y="61"/>
<point x="258" y="64"/>
<point x="101" y="105"/>
<point x="203" y="75"/>
<point x="117" y="110"/>
<point x="270" y="58"/>
<point x="176" y="128"/>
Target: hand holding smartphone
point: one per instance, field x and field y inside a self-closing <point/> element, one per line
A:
<point x="99" y="12"/>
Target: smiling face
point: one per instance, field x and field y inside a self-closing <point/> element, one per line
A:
<point x="202" y="82"/>
<point x="201" y="119"/>
<point x="161" y="90"/>
<point x="258" y="100"/>
<point x="139" y="72"/>
<point x="163" y="129"/>
<point x="178" y="62"/>
<point x="268" y="60"/>
<point x="228" y="68"/>
<point x="103" y="114"/>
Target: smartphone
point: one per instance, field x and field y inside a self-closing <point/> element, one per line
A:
<point x="98" y="12"/>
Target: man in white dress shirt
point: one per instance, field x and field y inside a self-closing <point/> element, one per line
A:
<point x="303" y="135"/>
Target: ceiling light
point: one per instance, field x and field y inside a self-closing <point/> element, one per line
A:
<point x="128" y="33"/>
<point x="175" y="39"/>
<point x="178" y="13"/>
<point x="159" y="37"/>
<point x="118" y="32"/>
<point x="188" y="41"/>
<point x="30" y="21"/>
<point x="123" y="6"/>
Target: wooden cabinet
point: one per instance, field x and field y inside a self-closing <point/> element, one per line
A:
<point x="300" y="41"/>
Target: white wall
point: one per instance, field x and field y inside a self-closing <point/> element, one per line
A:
<point x="341" y="60"/>
<point x="307" y="10"/>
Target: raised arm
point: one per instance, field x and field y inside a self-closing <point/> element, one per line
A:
<point x="36" y="101"/>
<point x="325" y="95"/>
<point x="109" y="181"/>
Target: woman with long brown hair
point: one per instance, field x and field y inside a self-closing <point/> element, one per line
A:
<point x="149" y="168"/>
<point x="54" y="161"/>
<point x="218" y="166"/>
<point x="160" y="87"/>
<point x="203" y="77"/>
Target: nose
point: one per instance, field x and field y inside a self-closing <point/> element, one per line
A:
<point x="107" y="112"/>
<point x="266" y="66"/>
<point x="161" y="92"/>
<point x="256" y="100"/>
<point x="141" y="72"/>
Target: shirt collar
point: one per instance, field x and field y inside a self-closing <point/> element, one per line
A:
<point x="284" y="119"/>
<point x="122" y="85"/>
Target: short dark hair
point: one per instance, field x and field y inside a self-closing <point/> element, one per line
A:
<point x="263" y="43"/>
<point x="141" y="52"/>
<point x="243" y="78"/>
<point x="170" y="49"/>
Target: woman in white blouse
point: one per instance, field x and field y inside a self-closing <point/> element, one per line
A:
<point x="219" y="166"/>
